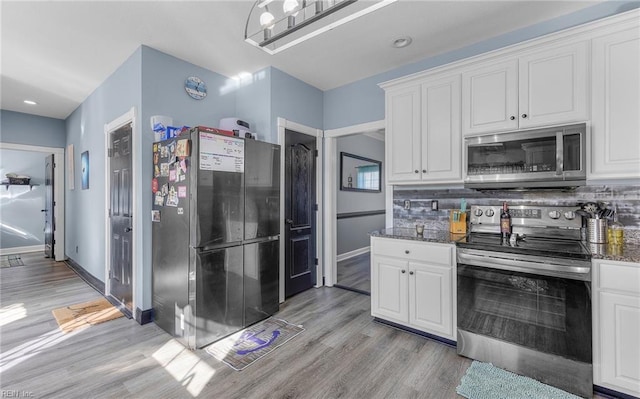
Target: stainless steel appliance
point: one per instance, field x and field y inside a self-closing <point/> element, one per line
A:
<point x="215" y="235"/>
<point x="533" y="158"/>
<point x="524" y="304"/>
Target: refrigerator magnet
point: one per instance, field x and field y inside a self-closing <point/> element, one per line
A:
<point x="172" y="198"/>
<point x="155" y="147"/>
<point x="164" y="169"/>
<point x="156" y="158"/>
<point x="156" y="170"/>
<point x="159" y="199"/>
<point x="180" y="211"/>
<point x="183" y="165"/>
<point x="165" y="189"/>
<point x="155" y="216"/>
<point x="155" y="186"/>
<point x="172" y="175"/>
<point x="182" y="191"/>
<point x="172" y="149"/>
<point x="164" y="151"/>
<point x="183" y="148"/>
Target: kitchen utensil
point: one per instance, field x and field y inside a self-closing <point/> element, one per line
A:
<point x="590" y="207"/>
<point x="582" y="213"/>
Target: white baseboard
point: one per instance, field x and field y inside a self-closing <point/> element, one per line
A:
<point x="352" y="254"/>
<point x="21" y="250"/>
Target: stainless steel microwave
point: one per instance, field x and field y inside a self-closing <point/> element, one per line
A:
<point x="547" y="157"/>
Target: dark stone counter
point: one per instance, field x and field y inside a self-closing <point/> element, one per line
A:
<point x="429" y="235"/>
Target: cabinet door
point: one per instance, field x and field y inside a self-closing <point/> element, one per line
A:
<point x="553" y="86"/>
<point x="619" y="326"/>
<point x="389" y="288"/>
<point x="403" y="126"/>
<point x="615" y="103"/>
<point x="430" y="298"/>
<point x="441" y="137"/>
<point x="490" y="98"/>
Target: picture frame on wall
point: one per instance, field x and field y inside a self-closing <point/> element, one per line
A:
<point x="85" y="170"/>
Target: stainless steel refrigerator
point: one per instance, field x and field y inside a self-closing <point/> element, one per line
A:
<point x="215" y="234"/>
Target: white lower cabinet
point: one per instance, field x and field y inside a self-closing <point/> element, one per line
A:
<point x="616" y="326"/>
<point x="412" y="284"/>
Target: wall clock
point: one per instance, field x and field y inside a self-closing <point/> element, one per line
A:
<point x="195" y="88"/>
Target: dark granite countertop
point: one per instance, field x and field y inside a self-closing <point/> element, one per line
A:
<point x="629" y="252"/>
<point x="429" y="235"/>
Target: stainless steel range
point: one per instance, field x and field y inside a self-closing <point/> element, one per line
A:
<point x="524" y="303"/>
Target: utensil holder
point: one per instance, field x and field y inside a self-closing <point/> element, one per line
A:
<point x="597" y="231"/>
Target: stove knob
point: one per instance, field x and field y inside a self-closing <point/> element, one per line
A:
<point x="570" y="215"/>
<point x="554" y="215"/>
<point x="489" y="212"/>
<point x="478" y="212"/>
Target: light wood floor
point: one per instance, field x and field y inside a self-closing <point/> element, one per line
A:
<point x="342" y="353"/>
<point x="356" y="272"/>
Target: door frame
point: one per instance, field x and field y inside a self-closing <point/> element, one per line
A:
<point x="331" y="192"/>
<point x="136" y="237"/>
<point x="58" y="191"/>
<point x="284" y="124"/>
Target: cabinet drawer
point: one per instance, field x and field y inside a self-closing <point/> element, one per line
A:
<point x="410" y="250"/>
<point x="619" y="276"/>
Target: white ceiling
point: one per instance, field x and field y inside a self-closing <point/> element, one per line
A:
<point x="57" y="53"/>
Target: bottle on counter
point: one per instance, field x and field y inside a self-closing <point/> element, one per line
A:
<point x="615" y="232"/>
<point x="505" y="223"/>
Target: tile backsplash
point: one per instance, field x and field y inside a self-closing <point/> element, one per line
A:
<point x="625" y="197"/>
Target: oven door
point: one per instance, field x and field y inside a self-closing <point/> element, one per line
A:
<point x="531" y="324"/>
<point x="546" y="314"/>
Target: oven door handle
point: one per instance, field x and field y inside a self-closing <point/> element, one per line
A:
<point x="550" y="269"/>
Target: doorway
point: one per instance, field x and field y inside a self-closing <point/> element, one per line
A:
<point x="352" y="215"/>
<point x="57" y="211"/>
<point x="301" y="207"/>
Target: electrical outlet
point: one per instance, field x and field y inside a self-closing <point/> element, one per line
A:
<point x="407" y="204"/>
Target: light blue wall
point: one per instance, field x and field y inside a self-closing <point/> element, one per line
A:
<point x="253" y="104"/>
<point x="21" y="222"/>
<point x="295" y="101"/>
<point x="163" y="93"/>
<point x="273" y="94"/>
<point x="19" y="128"/>
<point x="363" y="101"/>
<point x="85" y="209"/>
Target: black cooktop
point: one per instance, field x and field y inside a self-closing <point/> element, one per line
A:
<point x="551" y="247"/>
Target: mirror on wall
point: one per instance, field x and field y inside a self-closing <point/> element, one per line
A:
<point x="359" y="173"/>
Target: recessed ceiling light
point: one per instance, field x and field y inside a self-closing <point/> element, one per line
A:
<point x="30" y="102"/>
<point x="402" y="42"/>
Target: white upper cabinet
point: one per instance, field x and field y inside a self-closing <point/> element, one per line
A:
<point x="540" y="88"/>
<point x="615" y="128"/>
<point x="441" y="139"/>
<point x="424" y="143"/>
<point x="490" y="98"/>
<point x="403" y="125"/>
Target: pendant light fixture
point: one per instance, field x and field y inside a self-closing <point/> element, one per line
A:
<point x="275" y="25"/>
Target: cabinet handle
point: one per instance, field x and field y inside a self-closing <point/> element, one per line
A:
<point x="416" y="171"/>
<point x="406" y="251"/>
<point x="403" y="271"/>
<point x="411" y="273"/>
<point x="512" y="117"/>
<point x="524" y="115"/>
<point x="424" y="171"/>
